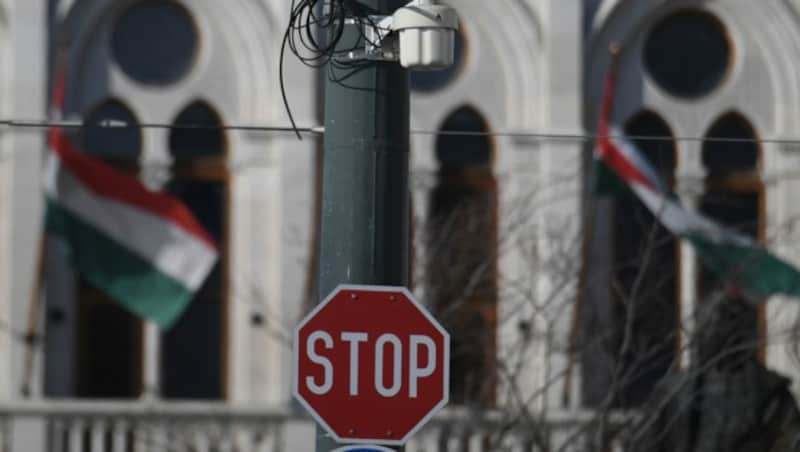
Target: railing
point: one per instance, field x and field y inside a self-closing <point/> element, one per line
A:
<point x="104" y="426"/>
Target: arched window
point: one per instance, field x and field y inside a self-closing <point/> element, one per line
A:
<point x="192" y="358"/>
<point x="734" y="197"/>
<point x="462" y="250"/>
<point x="645" y="271"/>
<point x="109" y="354"/>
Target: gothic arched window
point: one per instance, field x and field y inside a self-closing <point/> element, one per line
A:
<point x="462" y="250"/>
<point x="645" y="269"/>
<point x="109" y="353"/>
<point x="193" y="358"/>
<point x="734" y="197"/>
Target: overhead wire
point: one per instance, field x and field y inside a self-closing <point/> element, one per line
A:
<point x="115" y="124"/>
<point x="318" y="130"/>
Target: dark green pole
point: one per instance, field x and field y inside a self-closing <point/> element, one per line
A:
<point x="365" y="195"/>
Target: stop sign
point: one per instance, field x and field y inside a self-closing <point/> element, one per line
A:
<point x="371" y="364"/>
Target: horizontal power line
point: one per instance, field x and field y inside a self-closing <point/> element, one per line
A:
<point x="319" y="130"/>
<point x="113" y="124"/>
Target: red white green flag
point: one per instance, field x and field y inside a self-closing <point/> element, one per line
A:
<point x="144" y="249"/>
<point x="736" y="259"/>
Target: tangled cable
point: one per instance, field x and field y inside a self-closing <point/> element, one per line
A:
<point x="314" y="31"/>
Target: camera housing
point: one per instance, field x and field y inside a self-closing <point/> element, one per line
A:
<point x="426" y="35"/>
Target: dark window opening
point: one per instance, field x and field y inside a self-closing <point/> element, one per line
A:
<point x="462" y="250"/>
<point x="644" y="274"/>
<point x="154" y="41"/>
<point x="688" y="53"/>
<point x="109" y="352"/>
<point x="732" y="328"/>
<point x="198" y="134"/>
<point x="724" y="155"/>
<point x="192" y="357"/>
<point x="113" y="134"/>
<point x="109" y="347"/>
<point x="733" y="197"/>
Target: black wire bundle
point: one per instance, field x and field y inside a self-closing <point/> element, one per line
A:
<point x="307" y="25"/>
<point x="313" y="34"/>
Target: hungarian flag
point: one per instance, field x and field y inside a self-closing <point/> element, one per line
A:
<point x="144" y="249"/>
<point x="736" y="259"/>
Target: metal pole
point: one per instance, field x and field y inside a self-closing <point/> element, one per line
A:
<point x="365" y="194"/>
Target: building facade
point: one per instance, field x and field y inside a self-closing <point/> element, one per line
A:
<point x="513" y="253"/>
<point x="703" y="70"/>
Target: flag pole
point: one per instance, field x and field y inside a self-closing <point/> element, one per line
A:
<point x="31" y="336"/>
<point x="614" y="50"/>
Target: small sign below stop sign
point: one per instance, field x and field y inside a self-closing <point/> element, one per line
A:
<point x="371" y="364"/>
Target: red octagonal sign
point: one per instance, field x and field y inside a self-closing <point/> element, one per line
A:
<point x="371" y="364"/>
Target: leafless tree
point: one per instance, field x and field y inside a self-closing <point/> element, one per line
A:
<point x="656" y="384"/>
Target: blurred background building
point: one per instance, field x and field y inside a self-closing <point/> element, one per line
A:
<point x="512" y="251"/>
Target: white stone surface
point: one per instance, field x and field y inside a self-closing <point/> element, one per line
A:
<point x="528" y="68"/>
